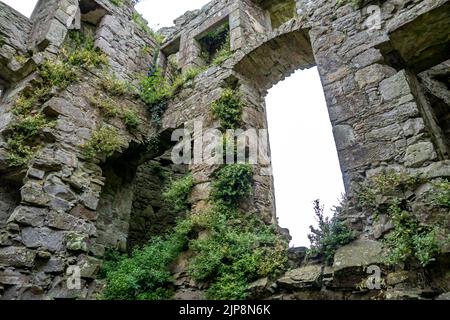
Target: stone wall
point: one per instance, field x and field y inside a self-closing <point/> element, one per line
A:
<point x="383" y="97"/>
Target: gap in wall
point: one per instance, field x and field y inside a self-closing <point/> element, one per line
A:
<point x="304" y="156"/>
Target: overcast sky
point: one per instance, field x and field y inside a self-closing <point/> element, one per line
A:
<point x="304" y="156"/>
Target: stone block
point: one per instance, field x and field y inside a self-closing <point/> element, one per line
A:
<point x="17" y="257"/>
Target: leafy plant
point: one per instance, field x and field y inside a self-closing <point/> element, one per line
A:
<point x="21" y="145"/>
<point x="232" y="184"/>
<point x="216" y="44"/>
<point x="178" y="191"/>
<point x="57" y="73"/>
<point x="104" y="141"/>
<point x="114" y="86"/>
<point x="224" y="53"/>
<point x="228" y="109"/>
<point x="440" y="193"/>
<point x="155" y="92"/>
<point x="118" y="3"/>
<point x="329" y="236"/>
<point x="131" y="119"/>
<point x="145" y="275"/>
<point x="181" y="80"/>
<point x="80" y="51"/>
<point x="409" y="238"/>
<point x="19" y="152"/>
<point x="237" y="250"/>
<point x="106" y="105"/>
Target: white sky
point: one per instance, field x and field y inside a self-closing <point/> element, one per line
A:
<point x="304" y="155"/>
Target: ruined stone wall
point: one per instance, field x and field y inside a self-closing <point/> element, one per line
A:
<point x="383" y="97"/>
<point x="57" y="223"/>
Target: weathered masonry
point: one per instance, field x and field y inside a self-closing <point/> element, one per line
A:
<point x="385" y="69"/>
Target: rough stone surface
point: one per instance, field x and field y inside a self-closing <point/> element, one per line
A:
<point x="360" y="253"/>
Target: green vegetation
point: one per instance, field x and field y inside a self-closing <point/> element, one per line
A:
<point x="181" y="80"/>
<point x="329" y="236"/>
<point x="21" y="145"/>
<point x="58" y="74"/>
<point x="104" y="141"/>
<point x="237" y="250"/>
<point x="178" y="191"/>
<point x="356" y="4"/>
<point x="216" y="45"/>
<point x="387" y="183"/>
<point x="80" y="51"/>
<point x="155" y="92"/>
<point x="440" y="194"/>
<point x="410" y="240"/>
<point x="23" y="140"/>
<point x="145" y="275"/>
<point x="228" y="109"/>
<point x="106" y="105"/>
<point x="22" y="59"/>
<point x="233" y="183"/>
<point x="114" y="86"/>
<point x="118" y="3"/>
<point x="131" y="119"/>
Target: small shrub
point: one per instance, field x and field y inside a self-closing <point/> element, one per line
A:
<point x="19" y="153"/>
<point x="144" y="275"/>
<point x="57" y="73"/>
<point x="23" y="104"/>
<point x="131" y="119"/>
<point x="22" y="144"/>
<point x="440" y="193"/>
<point x="228" y="109"/>
<point x="409" y="239"/>
<point x="224" y="53"/>
<point x="114" y="86"/>
<point x="329" y="236"/>
<point x="104" y="141"/>
<point x="106" y="105"/>
<point x="387" y="183"/>
<point x="178" y="192"/>
<point x="233" y="183"/>
<point x="188" y="75"/>
<point x="155" y="92"/>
